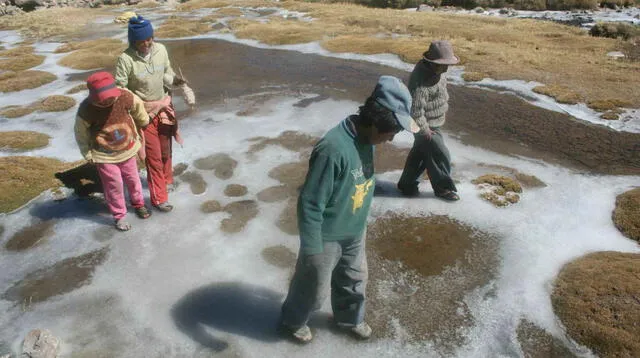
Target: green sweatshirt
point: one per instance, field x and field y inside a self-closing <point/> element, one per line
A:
<point x="145" y="77"/>
<point x="337" y="192"/>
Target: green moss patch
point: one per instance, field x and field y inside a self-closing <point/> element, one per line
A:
<point x="596" y="298"/>
<point x="23" y="178"/>
<point x="22" y="140"/>
<point x="626" y="214"/>
<point x="18" y="81"/>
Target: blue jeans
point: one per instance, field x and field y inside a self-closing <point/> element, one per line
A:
<point x="341" y="269"/>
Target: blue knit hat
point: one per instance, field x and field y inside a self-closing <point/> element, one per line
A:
<point x="139" y="29"/>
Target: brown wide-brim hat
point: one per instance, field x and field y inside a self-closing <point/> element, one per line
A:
<point x="441" y="52"/>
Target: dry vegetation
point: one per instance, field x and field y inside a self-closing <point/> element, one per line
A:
<point x="596" y="297"/>
<point x="87" y="55"/>
<point x="16" y="81"/>
<point x="554" y="54"/>
<point x="79" y="88"/>
<point x="498" y="189"/>
<point x="19" y="59"/>
<point x="473" y="76"/>
<point x="24" y="178"/>
<point x="180" y="27"/>
<point x="54" y="103"/>
<point x="49" y="23"/>
<point x="626" y="214"/>
<point x="22" y="140"/>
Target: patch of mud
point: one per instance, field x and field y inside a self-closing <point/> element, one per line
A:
<point x="626" y="215"/>
<point x="537" y="343"/>
<point x="276" y="193"/>
<point x="196" y="182"/>
<point x="596" y="298"/>
<point x="388" y="157"/>
<point x="241" y="212"/>
<point x="279" y="256"/>
<point x="104" y="234"/>
<point x="179" y="168"/>
<point x="291" y="140"/>
<point x="60" y="278"/>
<point x="31" y="236"/>
<point x="234" y="190"/>
<point x="211" y="206"/>
<point x="420" y="270"/>
<point x="290" y="174"/>
<point x="221" y="163"/>
<point x="288" y="219"/>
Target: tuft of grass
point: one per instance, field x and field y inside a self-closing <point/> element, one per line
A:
<point x="603" y="105"/>
<point x="79" y="88"/>
<point x="51" y="22"/>
<point x="103" y="44"/>
<point x="615" y="30"/>
<point x="626" y="214"/>
<point x="498" y="189"/>
<point x="230" y="11"/>
<point x="89" y="59"/>
<point x="19" y="59"/>
<point x="24" y="177"/>
<point x="147" y="5"/>
<point x="180" y="27"/>
<point x="54" y="103"/>
<point x="18" y="81"/>
<point x="473" y="76"/>
<point x="559" y="93"/>
<point x="22" y="140"/>
<point x="16" y="111"/>
<point x="504" y="182"/>
<point x="596" y="298"/>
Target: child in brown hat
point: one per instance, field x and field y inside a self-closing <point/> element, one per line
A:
<point x="428" y="87"/>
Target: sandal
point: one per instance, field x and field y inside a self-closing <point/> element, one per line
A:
<point x="164" y="207"/>
<point x="143" y="212"/>
<point x="448" y="195"/>
<point x="122" y="225"/>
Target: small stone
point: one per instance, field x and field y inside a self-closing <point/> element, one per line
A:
<point x="40" y="343"/>
<point x="616" y="54"/>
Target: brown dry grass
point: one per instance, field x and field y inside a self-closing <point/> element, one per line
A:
<point x="229" y="11"/>
<point x="560" y="93"/>
<point x="19" y="59"/>
<point x="52" y="22"/>
<point x="54" y="103"/>
<point x="79" y="88"/>
<point x="17" y="81"/>
<point x="549" y="53"/>
<point x="24" y="178"/>
<point x="180" y="27"/>
<point x="502" y="190"/>
<point x="473" y="76"/>
<point x="626" y="214"/>
<point x="22" y="140"/>
<point x="88" y="55"/>
<point x="16" y="111"/>
<point x="147" y="5"/>
<point x="596" y="297"/>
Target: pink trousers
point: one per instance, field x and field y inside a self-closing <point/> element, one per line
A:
<point x="112" y="176"/>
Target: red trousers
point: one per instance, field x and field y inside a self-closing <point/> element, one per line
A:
<point x="158" y="160"/>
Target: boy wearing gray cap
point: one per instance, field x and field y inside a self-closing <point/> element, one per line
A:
<point x="428" y="86"/>
<point x="332" y="213"/>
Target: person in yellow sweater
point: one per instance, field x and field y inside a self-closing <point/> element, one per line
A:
<point x="106" y="131"/>
<point x="145" y="69"/>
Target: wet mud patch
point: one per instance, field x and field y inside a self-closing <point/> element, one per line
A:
<point x="537" y="343"/>
<point x="221" y="163"/>
<point x="241" y="212"/>
<point x="626" y="214"/>
<point x="498" y="189"/>
<point x="196" y="182"/>
<point x="234" y="190"/>
<point x="288" y="219"/>
<point x="291" y="140"/>
<point x="211" y="206"/>
<point x="276" y="193"/>
<point x="60" y="278"/>
<point x="290" y="174"/>
<point x="388" y="157"/>
<point x="420" y="270"/>
<point x="179" y="168"/>
<point x="596" y="298"/>
<point x="104" y="234"/>
<point x="279" y="256"/>
<point x="31" y="236"/>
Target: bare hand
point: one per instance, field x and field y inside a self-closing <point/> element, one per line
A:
<point x="178" y="81"/>
<point x="428" y="133"/>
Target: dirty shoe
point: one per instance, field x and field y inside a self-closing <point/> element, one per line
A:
<point x="164" y="207"/>
<point x="361" y="331"/>
<point x="300" y="334"/>
<point x="123" y="225"/>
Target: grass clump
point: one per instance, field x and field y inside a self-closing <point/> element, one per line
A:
<point x="18" y="81"/>
<point x="16" y="111"/>
<point x="604" y="105"/>
<point x="498" y="189"/>
<point x="19" y="59"/>
<point x="180" y="27"/>
<point x="79" y="88"/>
<point x="615" y="30"/>
<point x="147" y="5"/>
<point x="88" y="55"/>
<point x="51" y="22"/>
<point x="473" y="76"/>
<point x="559" y="93"/>
<point x="596" y="298"/>
<point x="54" y="103"/>
<point x="626" y="214"/>
<point x="23" y="140"/>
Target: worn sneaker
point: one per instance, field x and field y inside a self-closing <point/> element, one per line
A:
<point x="362" y="330"/>
<point x="300" y="334"/>
<point x="164" y="207"/>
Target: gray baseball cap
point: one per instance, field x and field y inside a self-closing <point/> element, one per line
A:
<point x="392" y="94"/>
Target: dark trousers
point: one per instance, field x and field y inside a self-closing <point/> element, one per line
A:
<point x="431" y="155"/>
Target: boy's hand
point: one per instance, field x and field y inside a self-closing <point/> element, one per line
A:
<point x="178" y="81"/>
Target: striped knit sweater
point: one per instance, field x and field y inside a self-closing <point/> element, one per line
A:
<point x="430" y="97"/>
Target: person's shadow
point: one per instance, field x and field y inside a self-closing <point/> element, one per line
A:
<point x="231" y="307"/>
